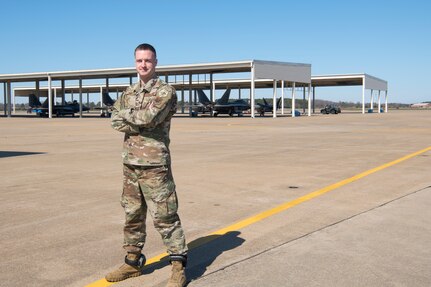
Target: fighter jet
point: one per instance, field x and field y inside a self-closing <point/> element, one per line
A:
<point x="220" y="106"/>
<point x="108" y="102"/>
<point x="204" y="104"/>
<point x="59" y="110"/>
<point x="265" y="107"/>
<point x="33" y="101"/>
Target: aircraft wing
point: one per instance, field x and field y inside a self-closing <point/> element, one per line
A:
<point x="56" y="110"/>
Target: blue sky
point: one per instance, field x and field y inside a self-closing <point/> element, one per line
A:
<point x="387" y="39"/>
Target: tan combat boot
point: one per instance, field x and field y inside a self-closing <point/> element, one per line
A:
<point x="134" y="263"/>
<point x="178" y="277"/>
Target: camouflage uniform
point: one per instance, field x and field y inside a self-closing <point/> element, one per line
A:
<point x="144" y="114"/>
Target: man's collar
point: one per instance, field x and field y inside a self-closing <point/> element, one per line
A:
<point x="148" y="85"/>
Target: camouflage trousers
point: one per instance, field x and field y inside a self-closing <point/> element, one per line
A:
<point x="153" y="189"/>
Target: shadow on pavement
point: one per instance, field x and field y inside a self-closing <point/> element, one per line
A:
<point x="16" y="153"/>
<point x="202" y="253"/>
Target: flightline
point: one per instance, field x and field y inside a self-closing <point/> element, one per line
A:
<point x="282" y="207"/>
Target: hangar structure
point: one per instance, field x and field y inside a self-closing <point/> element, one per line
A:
<point x="367" y="82"/>
<point x="259" y="74"/>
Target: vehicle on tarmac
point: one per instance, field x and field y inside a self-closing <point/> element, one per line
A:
<point x="331" y="109"/>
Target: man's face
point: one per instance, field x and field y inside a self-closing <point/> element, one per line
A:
<point x="146" y="63"/>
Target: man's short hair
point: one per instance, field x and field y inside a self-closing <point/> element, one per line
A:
<point x="146" y="46"/>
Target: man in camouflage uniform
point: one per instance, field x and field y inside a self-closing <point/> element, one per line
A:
<point x="143" y="113"/>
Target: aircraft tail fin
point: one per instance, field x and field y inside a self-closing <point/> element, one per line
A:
<point x="279" y="103"/>
<point x="45" y="103"/>
<point x="33" y="101"/>
<point x="107" y="100"/>
<point x="265" y="102"/>
<point x="203" y="99"/>
<point x="225" y="98"/>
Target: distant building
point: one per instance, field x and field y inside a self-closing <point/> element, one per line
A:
<point x="421" y="105"/>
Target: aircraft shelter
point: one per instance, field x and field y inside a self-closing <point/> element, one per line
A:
<point x="210" y="76"/>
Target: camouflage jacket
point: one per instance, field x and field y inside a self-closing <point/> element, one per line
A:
<point x="144" y="115"/>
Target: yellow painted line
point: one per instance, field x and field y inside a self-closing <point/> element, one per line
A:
<point x="280" y="208"/>
<point x="309" y="196"/>
<point x="104" y="283"/>
<point x="100" y="283"/>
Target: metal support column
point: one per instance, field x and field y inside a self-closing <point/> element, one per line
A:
<point x="107" y="85"/>
<point x="88" y="102"/>
<point x="274" y="99"/>
<point x="309" y="100"/>
<point x="182" y="100"/>
<point x="211" y="89"/>
<point x="4" y="97"/>
<point x="378" y="102"/>
<point x="63" y="92"/>
<point x="80" y="98"/>
<point x="293" y="99"/>
<point x="55" y="96"/>
<point x="13" y="103"/>
<point x="9" y="96"/>
<point x="371" y="100"/>
<point x="38" y="90"/>
<point x="101" y="96"/>
<point x="49" y="96"/>
<point x="213" y="92"/>
<point x="282" y="97"/>
<point x="303" y="99"/>
<point x="314" y="98"/>
<point x="252" y="91"/>
<point x="190" y="95"/>
<point x="363" y="95"/>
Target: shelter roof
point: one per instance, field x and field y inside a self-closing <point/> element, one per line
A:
<point x="282" y="70"/>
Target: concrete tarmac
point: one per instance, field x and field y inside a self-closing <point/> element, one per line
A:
<point x="61" y="221"/>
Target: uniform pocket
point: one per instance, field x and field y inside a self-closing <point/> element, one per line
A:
<point x="168" y="206"/>
<point x="158" y="188"/>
